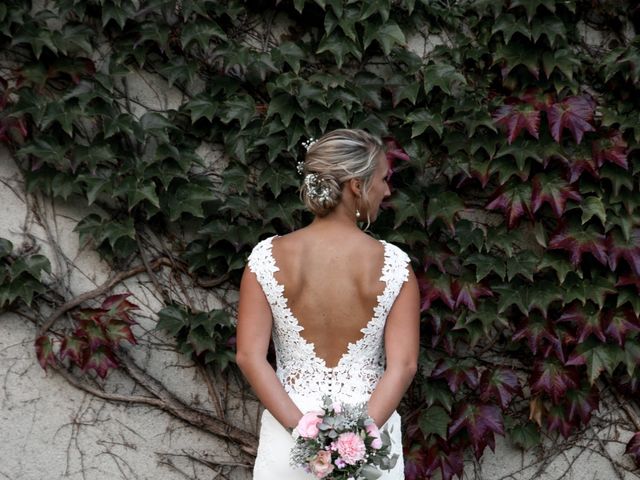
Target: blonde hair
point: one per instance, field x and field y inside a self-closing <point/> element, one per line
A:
<point x="336" y="158"/>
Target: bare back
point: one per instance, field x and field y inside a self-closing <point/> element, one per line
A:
<point x="331" y="284"/>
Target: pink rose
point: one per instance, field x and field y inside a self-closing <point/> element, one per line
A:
<point x="372" y="430"/>
<point x="308" y="425"/>
<point x="321" y="464"/>
<point x="350" y="447"/>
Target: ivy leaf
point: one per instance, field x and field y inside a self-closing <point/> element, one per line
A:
<point x="423" y="119"/>
<point x="574" y="113"/>
<point x="619" y="323"/>
<point x="595" y="289"/>
<point x="432" y="288"/>
<point x="239" y="107"/>
<point x="516" y="117"/>
<point x="538" y="332"/>
<point x="441" y="456"/>
<point x="582" y="402"/>
<point x="578" y="241"/>
<point x="531" y="6"/>
<point x="289" y="53"/>
<point x="512" y="198"/>
<point x="444" y="76"/>
<point x="445" y="206"/>
<point x="406" y="205"/>
<point x="101" y="361"/>
<point x="523" y="263"/>
<point x="171" y="319"/>
<point x="556" y="421"/>
<point x="117" y="330"/>
<point x="587" y="321"/>
<point x="76" y="348"/>
<point x="44" y="351"/>
<point x="591" y="206"/>
<point x="633" y="448"/>
<point x="551" y="377"/>
<point x="562" y="59"/>
<point x="486" y="264"/>
<point x="631" y="355"/>
<point x="515" y="54"/>
<point x="525" y="436"/>
<point x="597" y="357"/>
<point x="434" y="420"/>
<point x="629" y="249"/>
<point x="553" y="190"/>
<point x="481" y="422"/>
<point x="552" y="27"/>
<point x="611" y="148"/>
<point x="201" y="32"/>
<point x="509" y="25"/>
<point x="501" y="384"/>
<point x="456" y="374"/>
<point x="466" y="292"/>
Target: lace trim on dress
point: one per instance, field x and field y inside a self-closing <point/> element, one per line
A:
<point x="300" y="370"/>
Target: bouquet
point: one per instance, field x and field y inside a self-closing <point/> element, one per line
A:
<point x="341" y="442"/>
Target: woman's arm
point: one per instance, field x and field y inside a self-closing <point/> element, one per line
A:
<point x="402" y="346"/>
<point x="252" y="343"/>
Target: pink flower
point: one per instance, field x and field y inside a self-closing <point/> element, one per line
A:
<point x="337" y="407"/>
<point x="340" y="463"/>
<point x="350" y="447"/>
<point x="372" y="430"/>
<point x="321" y="464"/>
<point x="308" y="425"/>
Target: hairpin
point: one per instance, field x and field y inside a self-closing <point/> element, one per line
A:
<point x="307" y="144"/>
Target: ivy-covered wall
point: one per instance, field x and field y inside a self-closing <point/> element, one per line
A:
<point x="174" y="127"/>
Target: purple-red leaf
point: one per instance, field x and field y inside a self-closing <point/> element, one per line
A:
<point x="574" y="113"/>
<point x="118" y="306"/>
<point x="512" y="199"/>
<point x="578" y="240"/>
<point x="556" y="421"/>
<point x="582" y="403"/>
<point x="515" y="117"/>
<point x="456" y="374"/>
<point x="433" y="288"/>
<point x="618" y="248"/>
<point x="553" y="190"/>
<point x="612" y="148"/>
<point x="587" y="320"/>
<point x="44" y="351"/>
<point x="500" y="383"/>
<point x="481" y="422"/>
<point x="551" y="377"/>
<point x="94" y="332"/>
<point x="448" y="460"/>
<point x="539" y="333"/>
<point x="117" y="330"/>
<point x="619" y="323"/>
<point x="466" y="292"/>
<point x="629" y="280"/>
<point x="633" y="448"/>
<point x="101" y="361"/>
<point x="75" y="348"/>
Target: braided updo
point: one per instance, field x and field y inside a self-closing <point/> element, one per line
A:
<point x="332" y="160"/>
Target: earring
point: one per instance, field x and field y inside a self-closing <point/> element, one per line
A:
<point x="357" y="213"/>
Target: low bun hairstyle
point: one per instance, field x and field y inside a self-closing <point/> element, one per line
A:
<point x="336" y="158"/>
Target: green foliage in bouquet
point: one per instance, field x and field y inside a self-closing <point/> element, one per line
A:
<point x="512" y="126"/>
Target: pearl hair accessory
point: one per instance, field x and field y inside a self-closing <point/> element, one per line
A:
<point x="307" y="144"/>
<point x="316" y="188"/>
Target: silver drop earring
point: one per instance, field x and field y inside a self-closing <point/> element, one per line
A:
<point x="357" y="213"/>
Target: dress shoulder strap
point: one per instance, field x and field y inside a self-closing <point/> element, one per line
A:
<point x="260" y="260"/>
<point x="396" y="269"/>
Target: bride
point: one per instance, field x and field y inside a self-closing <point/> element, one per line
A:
<point x="343" y="307"/>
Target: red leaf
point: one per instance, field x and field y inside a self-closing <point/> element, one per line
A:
<point x="513" y="199"/>
<point x="456" y="374"/>
<point x="556" y="421"/>
<point x="578" y="241"/>
<point x="581" y="403"/>
<point x="118" y="306"/>
<point x="553" y="190"/>
<point x="515" y="117"/>
<point x="434" y="288"/>
<point x="551" y="377"/>
<point x="44" y="351"/>
<point x="75" y="348"/>
<point x="612" y="148"/>
<point x="501" y="384"/>
<point x="449" y="460"/>
<point x="415" y="463"/>
<point x="633" y="448"/>
<point x="94" y="333"/>
<point x="619" y="323"/>
<point x="620" y="248"/>
<point x="101" y="361"/>
<point x="466" y="293"/>
<point x="539" y="333"/>
<point x="587" y="321"/>
<point x="629" y="280"/>
<point x="573" y="113"/>
<point x="117" y="330"/>
<point x="481" y="422"/>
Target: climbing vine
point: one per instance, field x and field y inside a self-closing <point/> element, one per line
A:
<point x="512" y="128"/>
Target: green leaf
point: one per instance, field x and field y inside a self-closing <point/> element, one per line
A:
<point x="289" y="53"/>
<point x="406" y="205"/>
<point x="201" y="32"/>
<point x="591" y="206"/>
<point x="421" y="120"/>
<point x="523" y="263"/>
<point x="525" y="436"/>
<point x="171" y="319"/>
<point x="434" y="420"/>
<point x="444" y="206"/>
<point x="239" y="107"/>
<point x="486" y="264"/>
<point x="446" y="77"/>
<point x="597" y="357"/>
<point x="509" y="25"/>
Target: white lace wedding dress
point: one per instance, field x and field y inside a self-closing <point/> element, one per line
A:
<point x="306" y="377"/>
